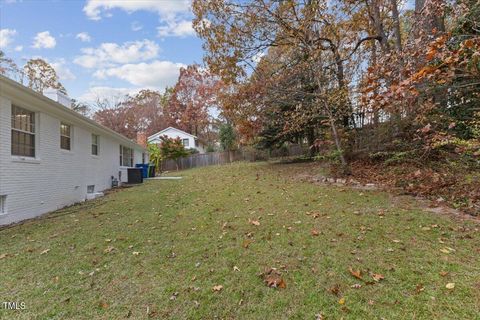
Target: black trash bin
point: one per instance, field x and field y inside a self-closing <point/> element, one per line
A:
<point x="134" y="175"/>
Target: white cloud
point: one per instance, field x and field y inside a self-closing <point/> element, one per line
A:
<point x="18" y="48"/>
<point x="173" y="28"/>
<point x="63" y="72"/>
<point x="44" y="40"/>
<point x="175" y="15"/>
<point x="136" y="26"/>
<point x="84" y="37"/>
<point x="109" y="54"/>
<point x="157" y="74"/>
<point x="104" y="92"/>
<point x="6" y="37"/>
<point x="165" y="8"/>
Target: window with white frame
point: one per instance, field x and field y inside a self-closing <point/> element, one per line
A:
<point x="3" y="204"/>
<point x="95" y="144"/>
<point x="23" y="132"/>
<point x="186" y="142"/>
<point x="126" y="156"/>
<point x="65" y="136"/>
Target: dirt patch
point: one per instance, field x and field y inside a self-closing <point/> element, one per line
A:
<point x="399" y="196"/>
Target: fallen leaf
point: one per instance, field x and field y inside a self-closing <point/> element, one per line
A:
<point x="45" y="251"/>
<point x="246" y="243"/>
<point x="419" y="288"/>
<point x="217" y="288"/>
<point x="109" y="249"/>
<point x="315" y="232"/>
<point x="254" y="222"/>
<point x="450" y="286"/>
<point x="377" y="277"/>
<point x="356" y="273"/>
<point x="135" y="253"/>
<point x="3" y="255"/>
<point x="273" y="279"/>
<point x="443" y="273"/>
<point x="341" y="301"/>
<point x="447" y="250"/>
<point x="335" y="290"/>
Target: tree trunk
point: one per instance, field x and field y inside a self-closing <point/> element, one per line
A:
<point x="311" y="141"/>
<point x="396" y="25"/>
<point x="338" y="144"/>
<point x="378" y="25"/>
<point x="432" y="21"/>
<point x="373" y="63"/>
<point x="340" y="74"/>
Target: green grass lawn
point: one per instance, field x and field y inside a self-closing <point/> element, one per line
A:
<point x="157" y="250"/>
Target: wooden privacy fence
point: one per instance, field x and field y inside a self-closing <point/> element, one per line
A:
<point x="217" y="158"/>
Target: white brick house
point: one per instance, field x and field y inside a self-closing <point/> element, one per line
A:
<point x="50" y="155"/>
<point x="189" y="141"/>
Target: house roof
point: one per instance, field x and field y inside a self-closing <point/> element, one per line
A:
<point x="28" y="97"/>
<point x="169" y="128"/>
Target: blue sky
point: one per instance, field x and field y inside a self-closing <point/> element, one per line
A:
<point x="102" y="47"/>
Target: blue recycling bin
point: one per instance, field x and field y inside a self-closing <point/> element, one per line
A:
<point x="144" y="168"/>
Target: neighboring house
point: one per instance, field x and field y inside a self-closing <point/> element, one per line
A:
<point x="189" y="141"/>
<point x="51" y="156"/>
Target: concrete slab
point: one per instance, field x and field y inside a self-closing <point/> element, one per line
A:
<point x="165" y="178"/>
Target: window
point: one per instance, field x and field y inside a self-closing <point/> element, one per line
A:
<point x="126" y="156"/>
<point x="95" y="140"/>
<point x="185" y="142"/>
<point x="91" y="188"/>
<point x="65" y="136"/>
<point x="23" y="132"/>
<point x="3" y="204"/>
